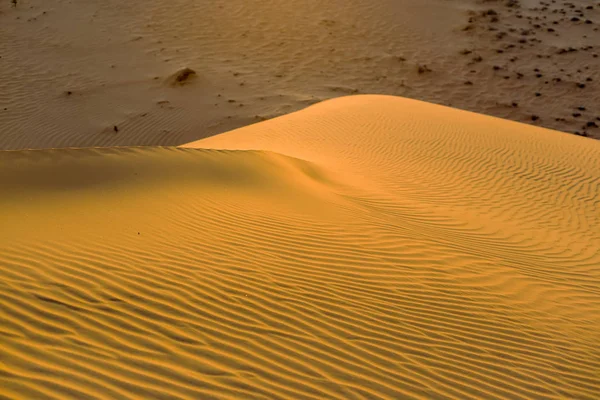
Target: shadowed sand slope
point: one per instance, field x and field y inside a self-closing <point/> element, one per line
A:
<point x="367" y="247"/>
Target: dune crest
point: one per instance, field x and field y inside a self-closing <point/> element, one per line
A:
<point x="367" y="247"/>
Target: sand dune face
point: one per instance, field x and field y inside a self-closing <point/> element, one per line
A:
<point x="365" y="248"/>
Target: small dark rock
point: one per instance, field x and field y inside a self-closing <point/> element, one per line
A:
<point x="421" y="69"/>
<point x="182" y="76"/>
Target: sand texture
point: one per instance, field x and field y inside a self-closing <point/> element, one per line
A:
<point x="80" y="73"/>
<point x="367" y="247"/>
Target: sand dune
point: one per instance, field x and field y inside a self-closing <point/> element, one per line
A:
<point x="367" y="247"/>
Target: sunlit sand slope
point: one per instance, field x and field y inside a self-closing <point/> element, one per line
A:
<point x="365" y="248"/>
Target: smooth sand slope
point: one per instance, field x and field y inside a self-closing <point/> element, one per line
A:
<point x="367" y="247"/>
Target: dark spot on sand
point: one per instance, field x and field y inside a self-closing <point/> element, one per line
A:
<point x="184" y="74"/>
<point x="182" y="77"/>
<point x="421" y="69"/>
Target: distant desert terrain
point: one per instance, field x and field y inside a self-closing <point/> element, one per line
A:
<point x="79" y="73"/>
<point x="367" y="247"/>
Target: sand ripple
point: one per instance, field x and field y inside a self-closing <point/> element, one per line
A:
<point x="365" y="248"/>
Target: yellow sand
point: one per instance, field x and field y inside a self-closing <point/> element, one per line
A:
<point x="367" y="247"/>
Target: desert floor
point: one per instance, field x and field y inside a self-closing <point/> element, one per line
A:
<point x="77" y="73"/>
<point x="368" y="247"/>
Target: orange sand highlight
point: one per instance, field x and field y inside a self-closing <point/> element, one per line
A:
<point x="367" y="247"/>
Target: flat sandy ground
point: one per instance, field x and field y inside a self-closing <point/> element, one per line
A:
<point x="77" y="73"/>
<point x="367" y="247"/>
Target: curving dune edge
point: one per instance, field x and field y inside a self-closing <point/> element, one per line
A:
<point x="367" y="247"/>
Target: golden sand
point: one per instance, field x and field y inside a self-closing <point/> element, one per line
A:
<point x="367" y="247"/>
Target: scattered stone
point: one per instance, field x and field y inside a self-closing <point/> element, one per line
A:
<point x="116" y="128"/>
<point x="182" y="77"/>
<point x="423" y="69"/>
<point x="534" y="117"/>
<point x="567" y="50"/>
